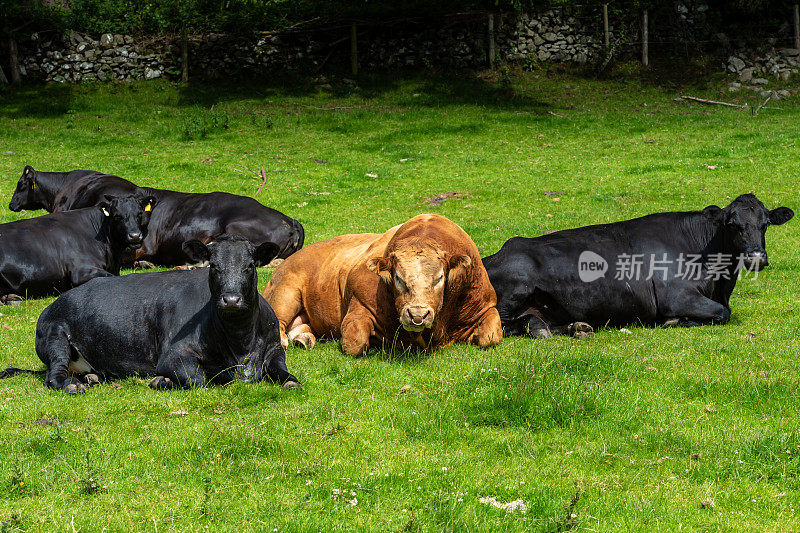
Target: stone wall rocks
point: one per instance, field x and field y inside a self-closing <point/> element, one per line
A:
<point x="77" y="57"/>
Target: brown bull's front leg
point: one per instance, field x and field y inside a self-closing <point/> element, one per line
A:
<point x="357" y="327"/>
<point x="489" y="331"/>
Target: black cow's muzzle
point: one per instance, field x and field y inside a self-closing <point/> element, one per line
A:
<point x="134" y="241"/>
<point x="230" y="302"/>
<point x="14" y="206"/>
<point x="755" y="261"/>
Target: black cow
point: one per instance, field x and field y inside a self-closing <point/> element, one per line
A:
<point x="687" y="262"/>
<point x="52" y="253"/>
<point x="177" y="216"/>
<point x="65" y="191"/>
<point x="188" y="329"/>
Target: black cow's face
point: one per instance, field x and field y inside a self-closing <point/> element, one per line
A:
<point x="232" y="277"/>
<point x="746" y="221"/>
<point x="130" y="216"/>
<point x="27" y="194"/>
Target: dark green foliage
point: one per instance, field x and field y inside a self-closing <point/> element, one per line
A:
<point x="199" y="123"/>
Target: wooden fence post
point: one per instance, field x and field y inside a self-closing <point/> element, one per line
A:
<point x="13" y="60"/>
<point x="491" y="41"/>
<point x="184" y="55"/>
<point x="645" y="58"/>
<point x="354" y="49"/>
<point x="606" y="36"/>
<point x="797" y="26"/>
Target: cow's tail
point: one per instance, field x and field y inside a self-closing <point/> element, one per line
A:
<point x="295" y="241"/>
<point x="11" y="371"/>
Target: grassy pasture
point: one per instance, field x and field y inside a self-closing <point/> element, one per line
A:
<point x="647" y="430"/>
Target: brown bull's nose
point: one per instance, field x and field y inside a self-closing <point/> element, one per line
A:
<point x="418" y="315"/>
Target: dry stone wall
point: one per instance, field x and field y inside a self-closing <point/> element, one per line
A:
<point x="76" y="57"/>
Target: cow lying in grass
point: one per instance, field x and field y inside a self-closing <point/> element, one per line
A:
<point x="177" y="217"/>
<point x="419" y="284"/>
<point x="52" y="253"/>
<point x="188" y="329"/>
<point x="671" y="269"/>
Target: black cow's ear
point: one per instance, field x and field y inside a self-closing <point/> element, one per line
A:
<point x="106" y="200"/>
<point x="196" y="250"/>
<point x="27" y="170"/>
<point x="712" y="212"/>
<point x="265" y="253"/>
<point x="147" y="203"/>
<point x="780" y="215"/>
<point x="382" y="266"/>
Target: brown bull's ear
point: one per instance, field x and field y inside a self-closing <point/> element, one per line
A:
<point x="382" y="266"/>
<point x="458" y="266"/>
<point x="780" y="215"/>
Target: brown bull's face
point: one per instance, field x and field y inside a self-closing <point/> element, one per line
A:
<point x="418" y="278"/>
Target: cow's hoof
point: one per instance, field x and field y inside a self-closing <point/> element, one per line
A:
<point x="91" y="379"/>
<point x="540" y="333"/>
<point x="143" y="265"/>
<point x="160" y="383"/>
<point x="580" y="330"/>
<point x="73" y="387"/>
<point x="672" y="322"/>
<point x="306" y="340"/>
<point x="290" y="385"/>
<point x="11" y="299"/>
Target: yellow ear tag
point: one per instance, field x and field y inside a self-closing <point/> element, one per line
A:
<point x="105" y="212"/>
<point x="148" y="207"/>
<point x="33" y="185"/>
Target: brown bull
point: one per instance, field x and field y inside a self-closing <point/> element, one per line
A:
<point x="419" y="284"/>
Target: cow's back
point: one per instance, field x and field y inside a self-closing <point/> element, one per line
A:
<point x="87" y="189"/>
<point x="320" y="274"/>
<point x="178" y="217"/>
<point x="40" y="255"/>
<point x="121" y="324"/>
<point x="565" y="268"/>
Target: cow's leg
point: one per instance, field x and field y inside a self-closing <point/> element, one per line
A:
<point x="286" y="300"/>
<point x="178" y="373"/>
<point x="82" y="275"/>
<point x="357" y="327"/>
<point x="532" y="324"/>
<point x="54" y="350"/>
<point x="689" y="309"/>
<point x="277" y="372"/>
<point x="489" y="331"/>
<point x="300" y="332"/>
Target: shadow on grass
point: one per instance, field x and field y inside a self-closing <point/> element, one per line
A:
<point x="430" y="90"/>
<point x="37" y="101"/>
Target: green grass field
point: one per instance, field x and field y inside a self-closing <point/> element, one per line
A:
<point x="655" y="429"/>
